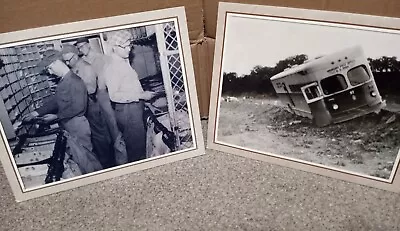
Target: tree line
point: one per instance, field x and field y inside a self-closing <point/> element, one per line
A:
<point x="258" y="80"/>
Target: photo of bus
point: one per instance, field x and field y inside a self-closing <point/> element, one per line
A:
<point x="330" y="89"/>
<point x="317" y="94"/>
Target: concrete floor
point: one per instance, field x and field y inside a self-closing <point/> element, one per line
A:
<point x="216" y="191"/>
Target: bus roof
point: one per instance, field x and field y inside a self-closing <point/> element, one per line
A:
<point x="314" y="62"/>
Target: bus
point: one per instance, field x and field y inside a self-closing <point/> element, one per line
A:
<point x="330" y="89"/>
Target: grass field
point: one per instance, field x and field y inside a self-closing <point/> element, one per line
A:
<point x="366" y="145"/>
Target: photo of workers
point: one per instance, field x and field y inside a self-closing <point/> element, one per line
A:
<point x="82" y="104"/>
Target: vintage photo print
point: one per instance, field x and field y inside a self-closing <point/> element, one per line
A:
<point x="84" y="103"/>
<point x="314" y="90"/>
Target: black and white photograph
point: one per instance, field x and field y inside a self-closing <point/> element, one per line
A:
<point x="78" y="105"/>
<point x="315" y="92"/>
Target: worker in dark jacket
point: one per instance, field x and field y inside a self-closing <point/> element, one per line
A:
<point x="69" y="104"/>
<point x="101" y="139"/>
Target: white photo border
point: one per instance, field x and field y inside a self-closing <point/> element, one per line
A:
<point x="285" y="13"/>
<point x="176" y="15"/>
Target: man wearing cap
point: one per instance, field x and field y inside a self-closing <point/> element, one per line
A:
<point x="101" y="139"/>
<point x="98" y="62"/>
<point x="95" y="59"/>
<point x="69" y="103"/>
<point x="126" y="93"/>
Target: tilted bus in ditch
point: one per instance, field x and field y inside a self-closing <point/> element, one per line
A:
<point x="330" y="89"/>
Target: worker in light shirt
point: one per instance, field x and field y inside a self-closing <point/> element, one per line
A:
<point x="125" y="91"/>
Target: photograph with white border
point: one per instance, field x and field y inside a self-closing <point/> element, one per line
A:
<point x="318" y="93"/>
<point x="82" y="103"/>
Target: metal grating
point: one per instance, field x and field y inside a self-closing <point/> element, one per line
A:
<point x="180" y="114"/>
<point x="171" y="40"/>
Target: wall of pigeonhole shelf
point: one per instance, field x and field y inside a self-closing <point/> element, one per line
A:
<point x="22" y="87"/>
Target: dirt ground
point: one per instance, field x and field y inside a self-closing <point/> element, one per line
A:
<point x="367" y="145"/>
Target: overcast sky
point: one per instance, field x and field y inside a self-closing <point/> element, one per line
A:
<point x="254" y="41"/>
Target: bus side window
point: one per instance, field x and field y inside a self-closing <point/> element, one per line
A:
<point x="358" y="75"/>
<point x="312" y="92"/>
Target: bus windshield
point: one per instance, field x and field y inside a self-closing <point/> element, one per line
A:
<point x="333" y="84"/>
<point x="358" y="75"/>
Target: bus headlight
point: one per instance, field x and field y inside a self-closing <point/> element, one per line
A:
<point x="335" y="106"/>
<point x="373" y="93"/>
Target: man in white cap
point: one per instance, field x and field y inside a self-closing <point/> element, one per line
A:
<point x="126" y="94"/>
<point x="101" y="138"/>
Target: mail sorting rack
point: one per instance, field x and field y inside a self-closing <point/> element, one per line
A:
<point x="22" y="87"/>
